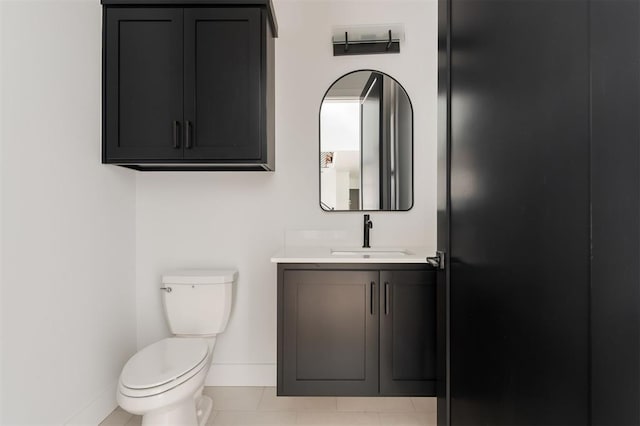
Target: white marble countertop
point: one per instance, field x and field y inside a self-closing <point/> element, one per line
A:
<point x="349" y="254"/>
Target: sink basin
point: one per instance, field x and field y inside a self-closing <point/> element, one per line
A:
<point x="370" y="252"/>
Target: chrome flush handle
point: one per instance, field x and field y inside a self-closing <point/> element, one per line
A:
<point x="167" y="289"/>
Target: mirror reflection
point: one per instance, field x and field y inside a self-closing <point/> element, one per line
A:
<point x="366" y="144"/>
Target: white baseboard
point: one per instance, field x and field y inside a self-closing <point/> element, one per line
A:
<point x="241" y="375"/>
<point x="98" y="409"/>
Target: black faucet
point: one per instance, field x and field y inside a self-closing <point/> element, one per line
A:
<point x="368" y="224"/>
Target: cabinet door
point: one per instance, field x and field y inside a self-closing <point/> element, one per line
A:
<point x="407" y="333"/>
<point x="143" y="84"/>
<point x="330" y="333"/>
<point x="223" y="83"/>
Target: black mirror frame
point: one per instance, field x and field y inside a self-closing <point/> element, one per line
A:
<point x="320" y="204"/>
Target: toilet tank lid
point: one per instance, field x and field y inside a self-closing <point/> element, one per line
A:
<point x="200" y="276"/>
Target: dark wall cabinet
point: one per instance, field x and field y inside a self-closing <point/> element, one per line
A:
<point x="188" y="88"/>
<point x="358" y="329"/>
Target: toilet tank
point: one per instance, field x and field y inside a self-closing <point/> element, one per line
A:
<point x="198" y="302"/>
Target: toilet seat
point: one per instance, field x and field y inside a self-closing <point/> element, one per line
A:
<point x="162" y="366"/>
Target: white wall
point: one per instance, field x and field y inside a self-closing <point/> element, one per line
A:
<point x="231" y="219"/>
<point x="68" y="237"/>
<point x="74" y="231"/>
<point x="1" y="208"/>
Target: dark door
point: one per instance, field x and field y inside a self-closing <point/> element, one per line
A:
<point x="519" y="267"/>
<point x="442" y="274"/>
<point x="222" y="84"/>
<point x="143" y="86"/>
<point x="407" y="333"/>
<point x="330" y="333"/>
<point x="615" y="213"/>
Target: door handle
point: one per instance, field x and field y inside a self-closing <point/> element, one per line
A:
<point x="437" y="261"/>
<point x="188" y="142"/>
<point x="386" y="298"/>
<point x="176" y="134"/>
<point x="373" y="292"/>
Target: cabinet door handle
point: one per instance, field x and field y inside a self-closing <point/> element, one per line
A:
<point x="386" y="298"/>
<point x="188" y="143"/>
<point x="373" y="298"/>
<point x="176" y="135"/>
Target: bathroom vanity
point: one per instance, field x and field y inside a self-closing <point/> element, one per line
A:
<point x="356" y="323"/>
<point x="355" y="320"/>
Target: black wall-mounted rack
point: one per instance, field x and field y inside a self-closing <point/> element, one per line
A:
<point x="365" y="47"/>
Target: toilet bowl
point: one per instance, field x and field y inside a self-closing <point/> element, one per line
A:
<point x="163" y="382"/>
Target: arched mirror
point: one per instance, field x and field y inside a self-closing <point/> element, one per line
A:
<point x="366" y="144"/>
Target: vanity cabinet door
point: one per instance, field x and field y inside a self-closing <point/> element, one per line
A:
<point x="142" y="84"/>
<point x="407" y="332"/>
<point x="223" y="71"/>
<point x="329" y="325"/>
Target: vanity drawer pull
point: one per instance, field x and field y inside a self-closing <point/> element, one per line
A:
<point x="373" y="292"/>
<point x="386" y="298"/>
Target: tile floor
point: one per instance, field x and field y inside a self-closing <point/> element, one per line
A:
<point x="248" y="406"/>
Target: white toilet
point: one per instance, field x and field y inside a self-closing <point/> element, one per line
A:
<point x="163" y="382"/>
